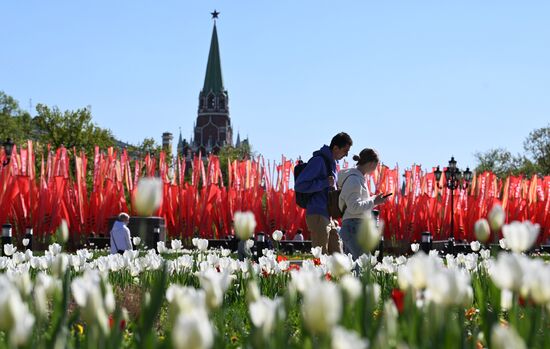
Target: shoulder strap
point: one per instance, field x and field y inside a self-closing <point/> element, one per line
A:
<point x="347" y="179"/>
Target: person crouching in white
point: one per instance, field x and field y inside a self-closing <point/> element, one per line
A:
<point x="120" y="234"/>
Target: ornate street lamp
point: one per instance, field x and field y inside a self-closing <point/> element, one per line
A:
<point x="8" y="147"/>
<point x="455" y="179"/>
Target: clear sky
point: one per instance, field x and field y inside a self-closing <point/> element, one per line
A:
<point x="417" y="80"/>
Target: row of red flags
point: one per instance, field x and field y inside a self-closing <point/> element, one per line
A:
<point x="39" y="193"/>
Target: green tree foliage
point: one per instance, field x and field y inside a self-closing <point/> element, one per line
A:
<point x="70" y="129"/>
<point x="538" y="147"/>
<point x="16" y="123"/>
<point x="536" y="159"/>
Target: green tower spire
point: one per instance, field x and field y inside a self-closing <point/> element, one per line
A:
<point x="213" y="80"/>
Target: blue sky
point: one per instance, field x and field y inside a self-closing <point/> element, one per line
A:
<point x="417" y="80"/>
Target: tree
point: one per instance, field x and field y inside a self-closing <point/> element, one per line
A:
<point x="70" y="129"/>
<point x="535" y="161"/>
<point x="499" y="161"/>
<point x="16" y="123"/>
<point x="147" y="146"/>
<point x="537" y="145"/>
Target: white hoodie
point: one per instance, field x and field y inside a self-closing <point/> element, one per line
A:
<point x="355" y="195"/>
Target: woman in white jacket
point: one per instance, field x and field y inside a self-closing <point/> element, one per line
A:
<point x="355" y="199"/>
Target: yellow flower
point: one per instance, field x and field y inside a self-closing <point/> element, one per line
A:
<point x="79" y="329"/>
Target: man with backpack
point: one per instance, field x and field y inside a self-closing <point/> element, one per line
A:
<point x="312" y="185"/>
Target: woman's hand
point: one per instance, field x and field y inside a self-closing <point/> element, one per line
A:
<point x="380" y="199"/>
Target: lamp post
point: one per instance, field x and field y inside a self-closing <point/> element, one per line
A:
<point x="8" y="147"/>
<point x="455" y="179"/>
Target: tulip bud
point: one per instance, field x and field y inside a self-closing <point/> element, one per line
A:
<point x="482" y="230"/>
<point x="244" y="223"/>
<point x="369" y="234"/>
<point x="496" y="218"/>
<point x="252" y="292"/>
<point x="277" y="235"/>
<point x="148" y="196"/>
<point x="63" y="232"/>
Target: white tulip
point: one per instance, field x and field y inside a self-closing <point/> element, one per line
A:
<point x="44" y="289"/>
<point x="475" y="246"/>
<point x="415" y="247"/>
<point x="161" y="247"/>
<point x="322" y="307"/>
<point x="496" y="218"/>
<point x="136" y="240"/>
<point x="264" y="314"/>
<point x="18" y="258"/>
<point x="503" y="337"/>
<point x="449" y="287"/>
<point x="369" y="234"/>
<point x="148" y="196"/>
<point x="415" y="273"/>
<point x="344" y="339"/>
<point x="54" y="249"/>
<point x="485" y="254"/>
<point x="339" y="264"/>
<point x="185" y="300"/>
<point x="277" y="235"/>
<point x="539" y="284"/>
<point x="373" y="291"/>
<point x="351" y="287"/>
<point x="26" y="242"/>
<point x="317" y="251"/>
<point x="202" y="245"/>
<point x="60" y="263"/>
<point x="176" y="244"/>
<point x="252" y="292"/>
<point x="94" y="304"/>
<point x="192" y="331"/>
<point x="214" y="285"/>
<point x="482" y="230"/>
<point x="15" y="317"/>
<point x="304" y="279"/>
<point x="506" y="272"/>
<point x="520" y="236"/>
<point x="9" y="249"/>
<point x="502" y="243"/>
<point x="244" y="223"/>
<point x="63" y="231"/>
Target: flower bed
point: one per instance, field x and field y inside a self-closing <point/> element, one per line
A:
<point x="205" y="298"/>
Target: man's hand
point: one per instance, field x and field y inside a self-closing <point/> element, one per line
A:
<point x="331" y="181"/>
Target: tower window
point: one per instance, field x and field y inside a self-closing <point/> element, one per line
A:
<point x="211" y="101"/>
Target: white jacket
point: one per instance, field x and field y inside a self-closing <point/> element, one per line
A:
<point x="355" y="195"/>
<point x="120" y="237"/>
